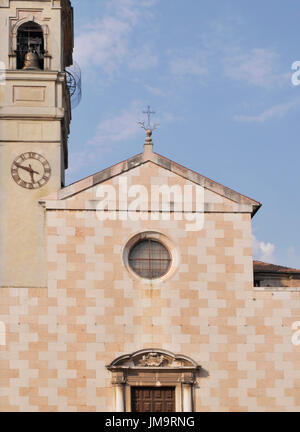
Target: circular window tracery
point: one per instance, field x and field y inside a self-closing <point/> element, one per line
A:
<point x="149" y="259"/>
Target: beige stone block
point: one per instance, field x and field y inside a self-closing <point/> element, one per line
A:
<point x="29" y="93"/>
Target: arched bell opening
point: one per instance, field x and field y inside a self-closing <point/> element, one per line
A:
<point x="30" y="46"/>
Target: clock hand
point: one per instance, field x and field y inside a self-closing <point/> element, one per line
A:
<point x="32" y="171"/>
<point x="22" y="167"/>
<point x="18" y="165"/>
<point x="28" y="169"/>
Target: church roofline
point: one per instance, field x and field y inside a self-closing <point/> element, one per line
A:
<point x="161" y="161"/>
<point x="263" y="267"/>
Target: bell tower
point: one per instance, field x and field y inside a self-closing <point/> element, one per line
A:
<point x="36" y="46"/>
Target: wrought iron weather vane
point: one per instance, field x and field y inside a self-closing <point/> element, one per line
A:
<point x="149" y="126"/>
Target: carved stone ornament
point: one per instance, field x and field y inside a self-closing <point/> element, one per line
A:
<point x="152" y="360"/>
<point x="153" y="367"/>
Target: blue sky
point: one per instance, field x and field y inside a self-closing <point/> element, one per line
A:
<point x="218" y="74"/>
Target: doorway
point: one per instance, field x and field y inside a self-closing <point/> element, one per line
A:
<point x="153" y="399"/>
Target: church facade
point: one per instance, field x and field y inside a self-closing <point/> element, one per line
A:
<point x="133" y="289"/>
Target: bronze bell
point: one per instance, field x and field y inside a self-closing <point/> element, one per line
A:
<point x="31" y="61"/>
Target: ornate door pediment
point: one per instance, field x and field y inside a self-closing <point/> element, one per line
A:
<point x="154" y="368"/>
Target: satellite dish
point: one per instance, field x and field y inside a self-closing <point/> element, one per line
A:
<point x="73" y="77"/>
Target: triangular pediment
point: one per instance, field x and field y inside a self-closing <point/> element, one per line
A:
<point x="150" y="168"/>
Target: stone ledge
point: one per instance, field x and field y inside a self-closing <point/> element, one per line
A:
<point x="276" y="289"/>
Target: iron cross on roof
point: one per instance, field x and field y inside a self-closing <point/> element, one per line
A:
<point x="149" y="125"/>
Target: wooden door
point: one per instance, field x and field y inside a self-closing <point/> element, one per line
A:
<point x="153" y="399"/>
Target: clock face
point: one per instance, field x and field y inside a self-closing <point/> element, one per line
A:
<point x="31" y="170"/>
